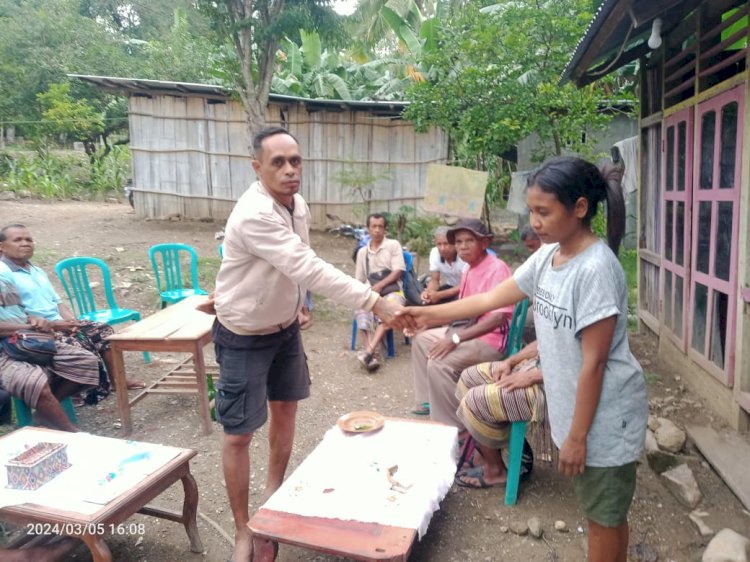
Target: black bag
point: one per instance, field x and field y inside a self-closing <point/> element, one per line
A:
<point x="378" y="276"/>
<point x="30" y="346"/>
<point x="412" y="288"/>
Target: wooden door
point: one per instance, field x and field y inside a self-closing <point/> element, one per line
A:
<point x="716" y="195"/>
<point x="677" y="189"/>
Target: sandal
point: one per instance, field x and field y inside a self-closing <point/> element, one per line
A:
<point x="476" y="473"/>
<point x="422" y="409"/>
<point x="467" y="454"/>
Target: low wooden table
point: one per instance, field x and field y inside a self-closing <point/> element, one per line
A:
<point x="181" y="328"/>
<point x="92" y="528"/>
<point x="358" y="540"/>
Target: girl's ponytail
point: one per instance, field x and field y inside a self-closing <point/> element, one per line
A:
<point x="612" y="176"/>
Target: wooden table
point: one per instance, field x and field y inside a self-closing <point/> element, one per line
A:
<point x="181" y="328"/>
<point x="349" y="538"/>
<point x="92" y="528"/>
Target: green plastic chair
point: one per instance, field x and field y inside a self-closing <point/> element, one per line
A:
<point x="515" y="329"/>
<point x="165" y="259"/>
<point x="74" y="276"/>
<point x="517" y="429"/>
<point x="24" y="416"/>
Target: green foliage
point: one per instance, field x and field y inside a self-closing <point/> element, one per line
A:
<point x="358" y="181"/>
<point x="415" y="232"/>
<point x="110" y="173"/>
<point x="629" y="262"/>
<point x="49" y="174"/>
<point x="493" y="82"/>
<point x="63" y="115"/>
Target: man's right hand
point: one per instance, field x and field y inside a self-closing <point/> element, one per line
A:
<point x="41" y="324"/>
<point x="386" y="310"/>
<point x="208" y="305"/>
<point x="501" y="369"/>
<point x="65" y="325"/>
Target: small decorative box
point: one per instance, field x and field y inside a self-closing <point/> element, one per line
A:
<point x="37" y="465"/>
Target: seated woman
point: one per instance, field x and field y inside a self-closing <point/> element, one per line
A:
<point x="493" y="395"/>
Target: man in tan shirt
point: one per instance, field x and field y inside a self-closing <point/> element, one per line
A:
<point x="268" y="265"/>
<point x="383" y="258"/>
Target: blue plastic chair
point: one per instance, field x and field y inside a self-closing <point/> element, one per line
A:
<point x="165" y="259"/>
<point x="24" y="416"/>
<point x="74" y="276"/>
<point x="221" y="251"/>
<point x="390" y="346"/>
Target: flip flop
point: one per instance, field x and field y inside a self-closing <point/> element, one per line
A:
<point x="422" y="409"/>
<point x="476" y="473"/>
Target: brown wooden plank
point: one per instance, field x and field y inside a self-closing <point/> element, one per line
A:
<point x="729" y="454"/>
<point x="169" y="316"/>
<point x="353" y="539"/>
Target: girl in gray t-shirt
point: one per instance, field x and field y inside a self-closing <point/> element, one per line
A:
<point x="596" y="394"/>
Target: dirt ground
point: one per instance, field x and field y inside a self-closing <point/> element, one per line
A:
<point x="470" y="523"/>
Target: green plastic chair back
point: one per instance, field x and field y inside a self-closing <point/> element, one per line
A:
<point x="515" y="330"/>
<point x="165" y="260"/>
<point x="74" y="276"/>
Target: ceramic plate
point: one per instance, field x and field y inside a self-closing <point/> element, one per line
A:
<point x="361" y="422"/>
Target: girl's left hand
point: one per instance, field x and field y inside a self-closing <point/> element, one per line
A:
<point x="572" y="456"/>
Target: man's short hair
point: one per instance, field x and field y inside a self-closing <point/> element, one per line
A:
<point x="440" y="231"/>
<point x="377" y="216"/>
<point x="528" y="232"/>
<point x="266" y="132"/>
<point x="5" y="229"/>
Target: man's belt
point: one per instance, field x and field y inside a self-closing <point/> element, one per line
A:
<point x="272" y="329"/>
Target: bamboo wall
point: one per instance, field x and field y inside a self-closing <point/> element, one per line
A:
<point x="191" y="156"/>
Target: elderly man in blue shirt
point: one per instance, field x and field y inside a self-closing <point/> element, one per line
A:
<point x="72" y="368"/>
<point x="40" y="298"/>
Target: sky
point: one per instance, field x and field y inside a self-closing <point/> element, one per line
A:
<point x="344" y="7"/>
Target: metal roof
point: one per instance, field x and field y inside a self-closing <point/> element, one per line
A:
<point x="134" y="86"/>
<point x="617" y="35"/>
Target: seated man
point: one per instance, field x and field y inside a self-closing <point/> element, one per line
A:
<point x="445" y="270"/>
<point x="40" y="299"/>
<point x="530" y="238"/>
<point x="493" y="395"/>
<point x="380" y="263"/>
<point x="438" y="355"/>
<point x="72" y="370"/>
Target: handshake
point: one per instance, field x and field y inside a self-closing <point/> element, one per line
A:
<point x="407" y="318"/>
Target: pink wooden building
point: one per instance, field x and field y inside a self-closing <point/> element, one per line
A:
<point x="694" y="195"/>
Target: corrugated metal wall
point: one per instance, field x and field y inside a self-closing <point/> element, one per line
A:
<point x="191" y="156"/>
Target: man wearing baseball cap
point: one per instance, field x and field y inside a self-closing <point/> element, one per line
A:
<point x="440" y="354"/>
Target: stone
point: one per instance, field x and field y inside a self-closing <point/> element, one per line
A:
<point x="503" y="528"/>
<point x="7" y="195"/>
<point x="535" y="527"/>
<point x="112" y="200"/>
<point x="661" y="461"/>
<point x="651" y="444"/>
<point x="727" y="546"/>
<point x="681" y="482"/>
<point x="519" y="528"/>
<point x="642" y="552"/>
<point x="653" y="423"/>
<point x="669" y="437"/>
<point x="24" y="193"/>
<point x="703" y="529"/>
<point x="561" y="526"/>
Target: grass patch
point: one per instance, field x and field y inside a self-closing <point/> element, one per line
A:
<point x="651" y="378"/>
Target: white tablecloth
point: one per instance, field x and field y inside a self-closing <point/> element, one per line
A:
<point x="346" y="476"/>
<point x="84" y="487"/>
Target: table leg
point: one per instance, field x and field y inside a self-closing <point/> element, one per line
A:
<point x="118" y="374"/>
<point x="99" y="549"/>
<point x="200" y="375"/>
<point x="190" y="512"/>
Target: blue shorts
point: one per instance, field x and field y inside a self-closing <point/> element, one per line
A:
<point x="255" y="369"/>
